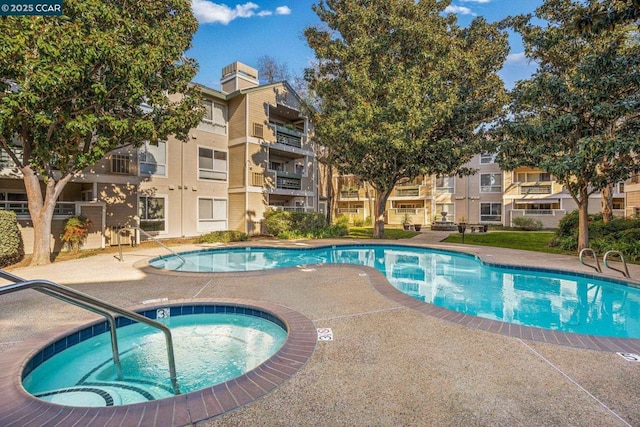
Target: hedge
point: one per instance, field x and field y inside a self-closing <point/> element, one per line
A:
<point x="11" y="245"/>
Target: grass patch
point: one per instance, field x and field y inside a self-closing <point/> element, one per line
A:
<point x="389" y="233"/>
<point x="524" y="240"/>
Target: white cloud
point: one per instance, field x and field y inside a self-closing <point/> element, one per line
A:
<point x="476" y="1"/>
<point x="517" y="59"/>
<point x="459" y="9"/>
<point x="207" y="12"/>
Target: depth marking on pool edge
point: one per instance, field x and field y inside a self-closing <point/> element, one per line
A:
<point x="153" y="301"/>
<point x="629" y="357"/>
<point x="325" y="334"/>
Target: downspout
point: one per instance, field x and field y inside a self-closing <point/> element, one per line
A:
<point x="246" y="164"/>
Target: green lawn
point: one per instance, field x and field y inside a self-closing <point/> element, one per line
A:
<point x="526" y="240"/>
<point x="389" y="233"/>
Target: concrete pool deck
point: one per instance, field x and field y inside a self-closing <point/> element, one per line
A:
<point x="389" y="363"/>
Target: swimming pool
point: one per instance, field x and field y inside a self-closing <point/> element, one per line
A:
<point x="212" y="344"/>
<point x="460" y="282"/>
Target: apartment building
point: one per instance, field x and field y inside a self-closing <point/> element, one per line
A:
<point x="251" y="152"/>
<point x="490" y="196"/>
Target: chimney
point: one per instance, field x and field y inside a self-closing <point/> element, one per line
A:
<point x="238" y="76"/>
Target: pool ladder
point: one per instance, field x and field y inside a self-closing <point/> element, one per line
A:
<point x="121" y="258"/>
<point x="97" y="306"/>
<point x="625" y="271"/>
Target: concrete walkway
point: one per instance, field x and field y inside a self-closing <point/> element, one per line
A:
<point x="389" y="364"/>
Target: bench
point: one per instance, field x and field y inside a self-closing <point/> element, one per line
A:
<point x="480" y="228"/>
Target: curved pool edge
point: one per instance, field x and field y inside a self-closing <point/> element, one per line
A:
<point x="382" y="285"/>
<point x="18" y="407"/>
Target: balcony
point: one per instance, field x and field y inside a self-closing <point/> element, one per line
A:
<point x="288" y="180"/>
<point x="287" y="136"/>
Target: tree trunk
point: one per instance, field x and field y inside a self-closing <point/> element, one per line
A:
<point x="380" y="205"/>
<point x="607" y="203"/>
<point x="330" y="194"/>
<point x="583" y="220"/>
<point x="41" y="209"/>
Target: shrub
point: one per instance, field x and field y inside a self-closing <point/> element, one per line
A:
<point x="301" y="225"/>
<point x="277" y="222"/>
<point x="358" y="222"/>
<point x="75" y="232"/>
<point x="618" y="234"/>
<point x="11" y="245"/>
<point x="225" y="236"/>
<point x="342" y="220"/>
<point x="527" y="224"/>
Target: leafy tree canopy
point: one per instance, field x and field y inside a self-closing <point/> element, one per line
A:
<point x="603" y="15"/>
<point x="79" y="85"/>
<point x="402" y="88"/>
<point x="577" y="116"/>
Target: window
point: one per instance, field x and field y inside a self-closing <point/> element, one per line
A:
<point x="151" y="211"/>
<point x="490" y="212"/>
<point x="212" y="214"/>
<point x="212" y="164"/>
<point x="487" y="158"/>
<point x="618" y="203"/>
<point x="445" y="184"/>
<point x="86" y="195"/>
<point x="215" y="115"/>
<point x="120" y="163"/>
<point x="491" y="183"/>
<point x="276" y="166"/>
<point x="153" y="159"/>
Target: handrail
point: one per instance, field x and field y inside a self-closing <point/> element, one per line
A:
<point x="595" y="257"/>
<point x="92" y="304"/>
<point x="110" y="319"/>
<point x="149" y="236"/>
<point x="625" y="273"/>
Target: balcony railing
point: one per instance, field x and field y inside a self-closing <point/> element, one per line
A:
<point x="538" y="212"/>
<point x="535" y="189"/>
<point x="288" y="136"/>
<point x="22" y="208"/>
<point x="290" y="208"/>
<point x="407" y="192"/>
<point x="349" y="194"/>
<point x="288" y="183"/>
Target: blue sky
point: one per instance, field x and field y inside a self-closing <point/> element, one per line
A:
<point x="244" y="31"/>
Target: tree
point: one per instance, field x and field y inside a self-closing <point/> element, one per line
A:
<point x="402" y="89"/>
<point x="602" y="15"/>
<point x="272" y="71"/>
<point x="577" y="116"/>
<point x="79" y="85"/>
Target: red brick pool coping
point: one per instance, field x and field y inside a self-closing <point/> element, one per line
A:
<point x="19" y="408"/>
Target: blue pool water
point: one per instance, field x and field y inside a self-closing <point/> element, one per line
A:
<point x="459" y="282"/>
<point x="209" y="349"/>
